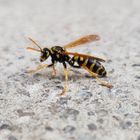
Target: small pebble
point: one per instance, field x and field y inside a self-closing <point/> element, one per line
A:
<point x="70" y="113"/>
<point x="21" y="57"/>
<point x="85" y="95"/>
<point x="91" y="113"/>
<point x="48" y="128"/>
<point x="136" y="65"/>
<point x="137" y="77"/>
<point x="63" y="100"/>
<point x="69" y="129"/>
<point x="12" y="137"/>
<point x="109" y="61"/>
<point x="5" y="126"/>
<point x="100" y="121"/>
<point x="59" y="87"/>
<point x="57" y="82"/>
<point x="21" y="113"/>
<point x="102" y="112"/>
<point x="125" y="125"/>
<point x="92" y="126"/>
<point x="23" y="92"/>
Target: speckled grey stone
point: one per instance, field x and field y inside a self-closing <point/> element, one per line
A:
<point x="138" y="137"/>
<point x="92" y="126"/>
<point x="63" y="100"/>
<point x="86" y="137"/>
<point x="23" y="92"/>
<point x="85" y="95"/>
<point x="72" y="113"/>
<point x="125" y="125"/>
<point x="102" y="112"/>
<point x="91" y="113"/>
<point x="30" y="105"/>
<point x="136" y="65"/>
<point x="22" y="113"/>
<point x="68" y="129"/>
<point x="137" y="77"/>
<point x="4" y="124"/>
<point x="11" y="137"/>
<point x="48" y="128"/>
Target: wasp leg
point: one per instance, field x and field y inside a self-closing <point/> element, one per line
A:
<point x="103" y="83"/>
<point x="39" y="68"/>
<point x="66" y="79"/>
<point x="54" y="70"/>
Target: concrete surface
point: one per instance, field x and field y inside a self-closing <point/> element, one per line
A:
<point x="29" y="106"/>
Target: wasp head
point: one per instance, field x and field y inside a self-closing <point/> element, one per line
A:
<point x="45" y="53"/>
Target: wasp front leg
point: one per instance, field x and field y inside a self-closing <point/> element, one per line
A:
<point x="41" y="67"/>
<point x="54" y="71"/>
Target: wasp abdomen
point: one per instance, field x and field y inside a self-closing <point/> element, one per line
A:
<point x="93" y="65"/>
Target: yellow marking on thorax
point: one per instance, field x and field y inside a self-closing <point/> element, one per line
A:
<point x="51" y="51"/>
<point x="58" y="56"/>
<point x="85" y="62"/>
<point x="76" y="57"/>
<point x="81" y="58"/>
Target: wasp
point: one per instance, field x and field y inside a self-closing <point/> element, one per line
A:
<point x="60" y="54"/>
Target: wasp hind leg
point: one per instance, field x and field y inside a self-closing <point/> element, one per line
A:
<point x="103" y="83"/>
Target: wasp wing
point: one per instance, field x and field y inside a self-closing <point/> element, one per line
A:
<point x="84" y="55"/>
<point x="82" y="40"/>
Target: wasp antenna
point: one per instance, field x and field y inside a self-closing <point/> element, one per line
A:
<point x="35" y="43"/>
<point x="33" y="49"/>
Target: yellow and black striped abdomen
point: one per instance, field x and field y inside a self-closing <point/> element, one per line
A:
<point x="93" y="65"/>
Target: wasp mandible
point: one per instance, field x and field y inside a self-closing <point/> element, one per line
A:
<point x="60" y="54"/>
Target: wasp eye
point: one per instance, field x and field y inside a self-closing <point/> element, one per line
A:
<point x="45" y="49"/>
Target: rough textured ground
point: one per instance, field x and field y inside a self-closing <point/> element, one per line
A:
<point x="29" y="106"/>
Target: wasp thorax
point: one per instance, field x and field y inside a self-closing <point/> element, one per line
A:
<point x="44" y="54"/>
